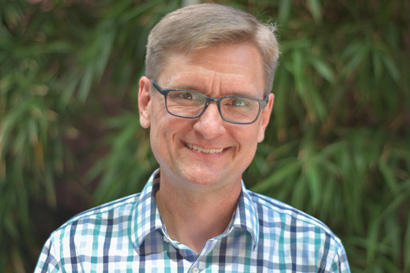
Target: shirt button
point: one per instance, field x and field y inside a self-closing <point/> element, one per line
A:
<point x="195" y="270"/>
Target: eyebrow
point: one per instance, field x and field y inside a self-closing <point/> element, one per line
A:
<point x="196" y="89"/>
<point x="187" y="87"/>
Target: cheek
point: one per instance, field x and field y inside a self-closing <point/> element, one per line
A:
<point x="163" y="133"/>
<point x="159" y="143"/>
<point x="254" y="136"/>
<point x="160" y="120"/>
<point x="247" y="138"/>
<point x="158" y="132"/>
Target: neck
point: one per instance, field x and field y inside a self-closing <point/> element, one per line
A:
<point x="193" y="217"/>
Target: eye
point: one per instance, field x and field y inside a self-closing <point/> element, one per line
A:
<point x="238" y="102"/>
<point x="187" y="96"/>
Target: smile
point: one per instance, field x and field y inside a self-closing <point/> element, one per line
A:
<point x="207" y="151"/>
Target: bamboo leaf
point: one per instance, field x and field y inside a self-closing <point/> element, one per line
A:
<point x="315" y="9"/>
<point x="391" y="68"/>
<point x="372" y="244"/>
<point x="106" y="42"/>
<point x="129" y="14"/>
<point x="299" y="191"/>
<point x="280" y="88"/>
<point x="313" y="180"/>
<point x="68" y="91"/>
<point x="285" y="8"/>
<point x="85" y="84"/>
<point x="277" y="176"/>
<point x="317" y="103"/>
<point x="393" y="237"/>
<point x="297" y="69"/>
<point x="388" y="175"/>
<point x="377" y="64"/>
<point x="358" y="52"/>
<point x="322" y="68"/>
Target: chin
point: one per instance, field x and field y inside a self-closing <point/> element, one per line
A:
<point x="204" y="177"/>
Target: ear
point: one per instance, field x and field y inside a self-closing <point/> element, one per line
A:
<point x="144" y="101"/>
<point x="265" y="116"/>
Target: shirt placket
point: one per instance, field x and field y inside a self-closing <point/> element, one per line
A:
<point x="199" y="264"/>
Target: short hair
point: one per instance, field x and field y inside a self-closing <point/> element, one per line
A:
<point x="204" y="25"/>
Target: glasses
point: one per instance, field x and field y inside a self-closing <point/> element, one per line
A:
<point x="190" y="104"/>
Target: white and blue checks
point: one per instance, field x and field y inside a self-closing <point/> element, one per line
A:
<point x="127" y="235"/>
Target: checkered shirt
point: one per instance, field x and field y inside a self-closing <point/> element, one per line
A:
<point x="128" y="235"/>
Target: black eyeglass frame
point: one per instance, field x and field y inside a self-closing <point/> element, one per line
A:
<point x="164" y="92"/>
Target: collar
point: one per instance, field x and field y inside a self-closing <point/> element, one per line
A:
<point x="246" y="216"/>
<point x="146" y="220"/>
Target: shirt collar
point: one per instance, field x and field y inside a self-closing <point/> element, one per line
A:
<point x="146" y="218"/>
<point x="246" y="216"/>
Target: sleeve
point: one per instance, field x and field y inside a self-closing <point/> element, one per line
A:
<point x="340" y="263"/>
<point x="48" y="260"/>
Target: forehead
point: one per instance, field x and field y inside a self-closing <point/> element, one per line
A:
<point x="221" y="67"/>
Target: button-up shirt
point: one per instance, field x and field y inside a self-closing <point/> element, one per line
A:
<point x="128" y="235"/>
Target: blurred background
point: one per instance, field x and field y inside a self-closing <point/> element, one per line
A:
<point x="337" y="147"/>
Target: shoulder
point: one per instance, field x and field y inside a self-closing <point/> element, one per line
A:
<point x="116" y="211"/>
<point x="297" y="235"/>
<point x="274" y="214"/>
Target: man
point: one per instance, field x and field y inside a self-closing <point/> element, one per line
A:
<point x="206" y="99"/>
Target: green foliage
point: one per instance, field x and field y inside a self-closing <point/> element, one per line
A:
<point x="337" y="146"/>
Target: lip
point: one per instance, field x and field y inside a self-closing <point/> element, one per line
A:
<point x="204" y="150"/>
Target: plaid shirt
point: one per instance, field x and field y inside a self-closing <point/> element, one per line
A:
<point x="127" y="235"/>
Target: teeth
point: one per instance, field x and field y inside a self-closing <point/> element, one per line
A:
<point x="207" y="151"/>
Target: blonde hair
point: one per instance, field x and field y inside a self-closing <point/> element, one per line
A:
<point x="205" y="25"/>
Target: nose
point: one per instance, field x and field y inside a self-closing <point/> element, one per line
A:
<point x="210" y="124"/>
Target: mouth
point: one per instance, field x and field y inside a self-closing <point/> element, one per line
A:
<point x="203" y="150"/>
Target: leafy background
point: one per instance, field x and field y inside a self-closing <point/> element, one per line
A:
<point x="337" y="146"/>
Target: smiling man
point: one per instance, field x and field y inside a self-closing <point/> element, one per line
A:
<point x="206" y="101"/>
<point x="202" y="159"/>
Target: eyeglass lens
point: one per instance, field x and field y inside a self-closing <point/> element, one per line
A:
<point x="191" y="104"/>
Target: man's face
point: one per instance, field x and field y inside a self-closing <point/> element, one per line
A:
<point x="206" y="151"/>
